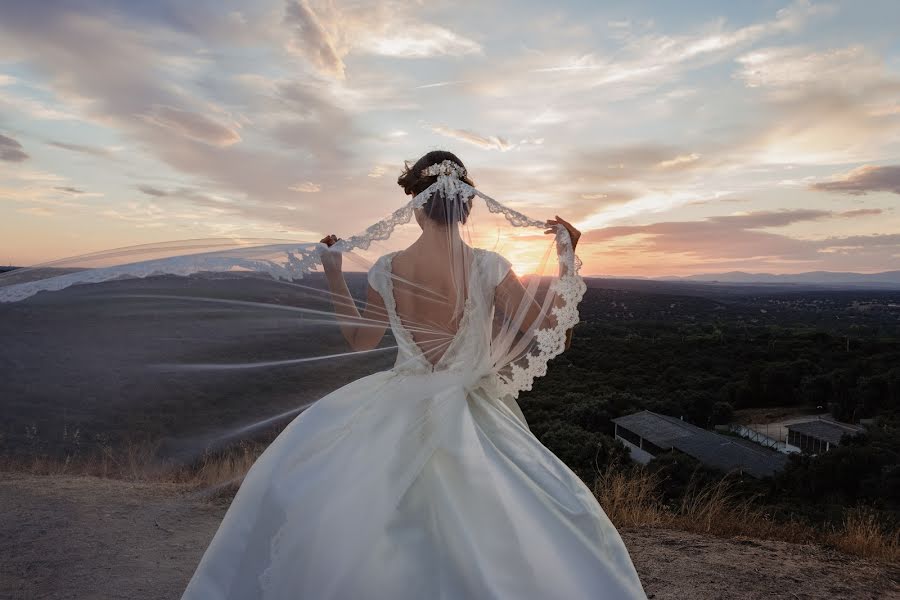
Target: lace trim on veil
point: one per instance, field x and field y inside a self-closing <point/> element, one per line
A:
<point x="550" y="341"/>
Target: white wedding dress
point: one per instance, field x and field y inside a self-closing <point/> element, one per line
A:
<point x="421" y="482"/>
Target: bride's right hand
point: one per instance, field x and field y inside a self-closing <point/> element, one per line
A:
<point x="331" y="261"/>
<point x="574" y="234"/>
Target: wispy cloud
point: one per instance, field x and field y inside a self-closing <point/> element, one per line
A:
<point x="37" y="211"/>
<point x="70" y="190"/>
<point x="420" y="41"/>
<point x="862" y="212"/>
<point x="377" y="171"/>
<point x="307" y="187"/>
<point x="731" y="240"/>
<point x="488" y="142"/>
<point x="439" y="84"/>
<point x="192" y="125"/>
<point x="82" y="148"/>
<point x="325" y="33"/>
<point x="828" y="106"/>
<point x="11" y="150"/>
<point x="312" y="40"/>
<point x="784" y="68"/>
<point x="197" y="197"/>
<point x="32" y="108"/>
<point x="644" y="162"/>
<point x="650" y="55"/>
<point x="862" y="180"/>
<point x="152" y="191"/>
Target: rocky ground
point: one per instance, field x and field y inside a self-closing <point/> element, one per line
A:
<point x="79" y="537"/>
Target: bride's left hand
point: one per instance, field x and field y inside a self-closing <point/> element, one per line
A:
<point x="552" y="224"/>
<point x="331" y="261"/>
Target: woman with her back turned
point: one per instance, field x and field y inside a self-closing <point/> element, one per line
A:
<point x="424" y="481"/>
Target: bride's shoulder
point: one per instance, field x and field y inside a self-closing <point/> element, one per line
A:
<point x="383" y="261"/>
<point x="491" y="257"/>
<point x="493" y="264"/>
<point x="379" y="272"/>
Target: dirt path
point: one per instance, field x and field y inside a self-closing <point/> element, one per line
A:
<point x="680" y="565"/>
<point x="74" y="537"/>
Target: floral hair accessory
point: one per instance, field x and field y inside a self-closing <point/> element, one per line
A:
<point x="447" y="167"/>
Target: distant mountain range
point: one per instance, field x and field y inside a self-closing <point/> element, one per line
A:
<point x="886" y="279"/>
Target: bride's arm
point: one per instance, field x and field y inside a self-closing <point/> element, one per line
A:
<point x="363" y="330"/>
<point x="510" y="293"/>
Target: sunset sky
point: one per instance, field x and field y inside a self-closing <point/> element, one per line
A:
<point x="681" y="137"/>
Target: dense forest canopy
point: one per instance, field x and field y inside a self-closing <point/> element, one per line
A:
<point x="703" y="352"/>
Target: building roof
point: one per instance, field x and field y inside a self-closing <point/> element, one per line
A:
<point x="727" y="453"/>
<point x="662" y="430"/>
<point x="712" y="449"/>
<point x="825" y="429"/>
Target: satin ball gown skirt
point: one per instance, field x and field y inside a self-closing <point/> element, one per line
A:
<point x="402" y="486"/>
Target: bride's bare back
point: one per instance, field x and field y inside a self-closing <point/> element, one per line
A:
<point x="430" y="291"/>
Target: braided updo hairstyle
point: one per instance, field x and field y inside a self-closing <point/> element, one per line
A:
<point x="413" y="182"/>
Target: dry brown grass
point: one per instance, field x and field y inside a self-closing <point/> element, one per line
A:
<point x="132" y="462"/>
<point x="220" y="474"/>
<point x="141" y="462"/>
<point x="861" y="534"/>
<point x="631" y="498"/>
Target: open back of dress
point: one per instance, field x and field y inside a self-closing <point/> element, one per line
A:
<point x="441" y="319"/>
<point x="430" y="298"/>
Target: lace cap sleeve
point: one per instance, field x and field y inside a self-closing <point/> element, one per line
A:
<point x="495" y="267"/>
<point x="378" y="275"/>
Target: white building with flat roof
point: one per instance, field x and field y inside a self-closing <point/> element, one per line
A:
<point x="648" y="434"/>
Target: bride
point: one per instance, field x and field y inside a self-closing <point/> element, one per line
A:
<point x="423" y="481"/>
<point x="418" y="482"/>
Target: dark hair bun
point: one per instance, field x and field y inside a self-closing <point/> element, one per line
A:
<point x="413" y="182"/>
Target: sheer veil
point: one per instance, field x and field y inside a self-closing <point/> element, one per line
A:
<point x="201" y="342"/>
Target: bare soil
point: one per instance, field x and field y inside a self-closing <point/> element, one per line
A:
<point x="80" y="537"/>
